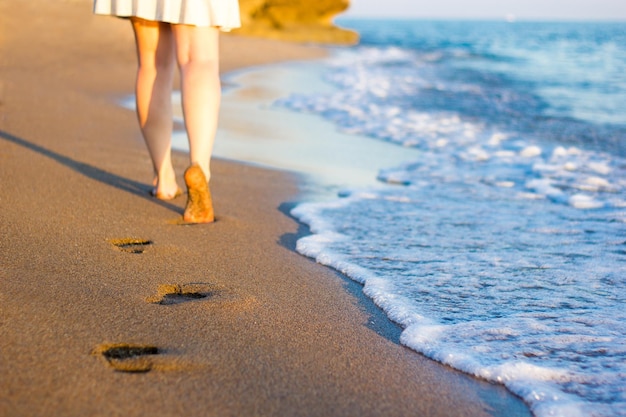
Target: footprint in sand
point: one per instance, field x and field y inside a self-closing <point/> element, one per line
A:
<point x="131" y="245"/>
<point x="217" y="296"/>
<point x="126" y="357"/>
<point x="168" y="294"/>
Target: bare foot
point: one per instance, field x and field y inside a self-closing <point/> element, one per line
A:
<point x="166" y="196"/>
<point x="199" y="203"/>
<point x="165" y="189"/>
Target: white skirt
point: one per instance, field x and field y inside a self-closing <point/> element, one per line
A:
<point x="223" y="14"/>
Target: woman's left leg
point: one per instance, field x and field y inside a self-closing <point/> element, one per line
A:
<point x="198" y="61"/>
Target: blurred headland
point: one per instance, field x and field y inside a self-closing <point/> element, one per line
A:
<point x="295" y="20"/>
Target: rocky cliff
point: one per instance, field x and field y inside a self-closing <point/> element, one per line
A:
<point x="295" y="20"/>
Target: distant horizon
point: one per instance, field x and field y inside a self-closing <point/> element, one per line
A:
<point x="505" y="19"/>
<point x="504" y="10"/>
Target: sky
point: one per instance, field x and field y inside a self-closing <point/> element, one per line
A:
<point x="491" y="9"/>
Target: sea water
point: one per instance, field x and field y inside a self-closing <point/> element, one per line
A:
<point x="500" y="246"/>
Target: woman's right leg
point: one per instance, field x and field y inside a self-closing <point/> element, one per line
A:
<point x="155" y="53"/>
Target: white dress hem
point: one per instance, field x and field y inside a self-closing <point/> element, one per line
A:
<point x="222" y="14"/>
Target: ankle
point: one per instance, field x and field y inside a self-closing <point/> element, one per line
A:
<point x="205" y="170"/>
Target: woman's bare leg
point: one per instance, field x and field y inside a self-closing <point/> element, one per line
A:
<point x="198" y="61"/>
<point x="155" y="53"/>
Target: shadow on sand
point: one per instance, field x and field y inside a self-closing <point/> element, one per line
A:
<point x="134" y="187"/>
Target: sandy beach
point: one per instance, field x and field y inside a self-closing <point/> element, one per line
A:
<point x="107" y="307"/>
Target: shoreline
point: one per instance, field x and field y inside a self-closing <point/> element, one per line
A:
<point x="275" y="334"/>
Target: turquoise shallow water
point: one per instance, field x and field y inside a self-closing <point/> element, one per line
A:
<point x="499" y="244"/>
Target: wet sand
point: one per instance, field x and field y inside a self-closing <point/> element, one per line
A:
<point x="108" y="307"/>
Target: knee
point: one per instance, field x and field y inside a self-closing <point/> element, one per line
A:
<point x="200" y="68"/>
<point x="203" y="65"/>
